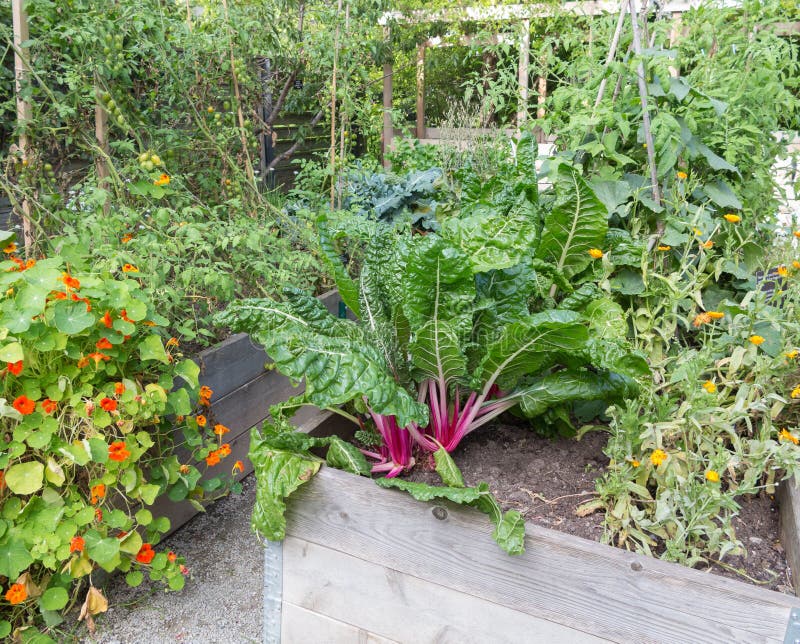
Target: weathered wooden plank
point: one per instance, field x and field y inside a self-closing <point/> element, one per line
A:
<point x="301" y="626"/>
<point x="564" y="579"/>
<point x="230" y="364"/>
<point x="789" y="508"/>
<point x="403" y="607"/>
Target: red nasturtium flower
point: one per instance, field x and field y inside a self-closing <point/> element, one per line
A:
<point x="171" y="557"/>
<point x="16" y="594"/>
<point x="15" y="367"/>
<point x="124" y="315"/>
<point x="117" y="451"/>
<point x="83" y="362"/>
<point x="145" y="554"/>
<point x="69" y="281"/>
<point x="212" y="459"/>
<point x="119" y="388"/>
<point x="77" y="544"/>
<point x="201" y="420"/>
<point x="49" y="406"/>
<point x="24" y="405"/>
<point x="2" y="479"/>
<point x="109" y="404"/>
<point x="98" y="515"/>
<point x="106" y="320"/>
<point x="97" y="357"/>
<point x="104" y="343"/>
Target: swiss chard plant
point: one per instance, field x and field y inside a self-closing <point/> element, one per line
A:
<point x="497" y="311"/>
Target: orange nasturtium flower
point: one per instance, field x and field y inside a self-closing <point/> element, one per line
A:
<point x="69" y="281"/>
<point x="145" y="554"/>
<point x="184" y="469"/>
<point x="171" y="557"/>
<point x="658" y="457"/>
<point x="756" y="339"/>
<point x="206" y="392"/>
<point x="595" y="253"/>
<point x="119" y="388"/>
<point x="712" y="476"/>
<point x="98" y="357"/>
<point x="796" y="264"/>
<point x="220" y="429"/>
<point x="796" y="233"/>
<point x="212" y="459"/>
<point x="129" y="268"/>
<point x="224" y="450"/>
<point x="173" y="342"/>
<point x="163" y="180"/>
<point x="16" y="594"/>
<point x="108" y="404"/>
<point x="49" y="406"/>
<point x="201" y="420"/>
<point x="104" y="343"/>
<point x="77" y="544"/>
<point x="238" y="466"/>
<point x="15" y="367"/>
<point x="681" y="175"/>
<point x="11" y="248"/>
<point x="786" y="435"/>
<point x="734" y="219"/>
<point x="710" y="387"/>
<point x="126" y="238"/>
<point x="106" y="320"/>
<point x="99" y="490"/>
<point x="24" y="405"/>
<point x="117" y="451"/>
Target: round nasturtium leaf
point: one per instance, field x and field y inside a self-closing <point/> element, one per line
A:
<point x="54" y="599"/>
<point x="72" y="317"/>
<point x="25" y="478"/>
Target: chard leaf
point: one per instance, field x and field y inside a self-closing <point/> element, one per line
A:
<point x="503" y="295"/>
<point x="509" y="532"/>
<point x="348" y="289"/>
<point x="577" y="223"/>
<point x="346" y="456"/>
<point x="436" y="352"/>
<point x="618" y="356"/>
<point x="447" y="469"/>
<point x="568" y="386"/>
<point x="606" y="318"/>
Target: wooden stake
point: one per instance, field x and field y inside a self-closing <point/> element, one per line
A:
<point x="388" y="126"/>
<point x="101" y="134"/>
<point x="421" y="91"/>
<point x="612" y="52"/>
<point x="674" y="34"/>
<point x="333" y="104"/>
<point x="648" y="135"/>
<point x="24" y="108"/>
<point x="524" y="63"/>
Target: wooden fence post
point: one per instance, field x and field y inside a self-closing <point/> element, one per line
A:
<point x="421" y="91"/>
<point x="388" y="126"/>
<point x="24" y="108"/>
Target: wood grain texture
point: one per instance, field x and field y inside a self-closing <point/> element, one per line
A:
<point x="301" y="626"/>
<point x="789" y="508"/>
<point x="403" y="607"/>
<point x="571" y="581"/>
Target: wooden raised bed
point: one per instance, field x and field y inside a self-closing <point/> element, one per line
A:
<point x="243" y="393"/>
<point x="365" y="564"/>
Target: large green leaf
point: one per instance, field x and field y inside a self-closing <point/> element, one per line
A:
<point x="25" y="478"/>
<point x="14" y="558"/>
<point x="617" y="356"/>
<point x="567" y="386"/>
<point x="436" y="352"/>
<point x="503" y="296"/>
<point x="348" y="289"/>
<point x="447" y="469"/>
<point x="509" y="528"/>
<point x="576" y="224"/>
<point x="72" y="317"/>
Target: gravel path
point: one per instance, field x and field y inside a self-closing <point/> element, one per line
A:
<point x="222" y="599"/>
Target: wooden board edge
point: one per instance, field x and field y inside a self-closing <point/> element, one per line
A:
<point x="789" y="515"/>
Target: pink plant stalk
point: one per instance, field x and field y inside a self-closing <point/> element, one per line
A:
<point x="395" y="451"/>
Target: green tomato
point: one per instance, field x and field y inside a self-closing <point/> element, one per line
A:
<point x="48" y="167"/>
<point x="144" y="156"/>
<point x="148" y="165"/>
<point x="155" y="159"/>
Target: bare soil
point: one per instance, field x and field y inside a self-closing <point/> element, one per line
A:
<point x="548" y="479"/>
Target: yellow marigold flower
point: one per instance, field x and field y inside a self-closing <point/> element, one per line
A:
<point x="756" y="339"/>
<point x="796" y="264"/>
<point x="786" y="435"/>
<point x="712" y="476"/>
<point x="595" y="253"/>
<point x="796" y="233"/>
<point x="709" y="386"/>
<point x="791" y="354"/>
<point x="700" y="319"/>
<point x="734" y="219"/>
<point x="681" y="175"/>
<point x="795" y="392"/>
<point x="697" y="232"/>
<point x="664" y="247"/>
<point x="783" y="271"/>
<point x="715" y="315"/>
<point x="658" y="457"/>
<point x="635" y="463"/>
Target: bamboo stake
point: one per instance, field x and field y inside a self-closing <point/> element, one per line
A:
<point x="333" y="104"/>
<point x="24" y="108"/>
<point x="612" y="52"/>
<point x="524" y="63"/>
<point x="420" y="130"/>
<point x="344" y="114"/>
<point x="648" y="135"/>
<point x="101" y="134"/>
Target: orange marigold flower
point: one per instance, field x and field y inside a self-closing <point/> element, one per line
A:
<point x="206" y="392"/>
<point x="786" y="435"/>
<point x="681" y="175"/>
<point x="15" y="367"/>
<point x="220" y="429"/>
<point x="106" y="320"/>
<point x="24" y="405"/>
<point x="238" y="466"/>
<point x="77" y="544"/>
<point x="224" y="450"/>
<point x="11" y="248"/>
<point x="163" y="180"/>
<point x="212" y="459"/>
<point x="715" y="315"/>
<point x="796" y="233"/>
<point x="201" y="420"/>
<point x="109" y="404"/>
<point x="171" y="557"/>
<point x="16" y="594"/>
<point x="104" y="343"/>
<point x="700" y="319"/>
<point x="69" y="281"/>
<point x="145" y="554"/>
<point x="756" y="339"/>
<point x="734" y="219"/>
<point x="49" y="406"/>
<point x="708" y="244"/>
<point x="129" y="268"/>
<point x="658" y="457"/>
<point x="710" y="387"/>
<point x="97" y="357"/>
<point x="595" y="253"/>
<point x="119" y="388"/>
<point x="664" y="247"/>
<point x="712" y="476"/>
<point x="126" y="238"/>
<point x="117" y="451"/>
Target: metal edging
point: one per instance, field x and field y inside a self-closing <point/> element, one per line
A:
<point x="273" y="591"/>
<point x="793" y="628"/>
